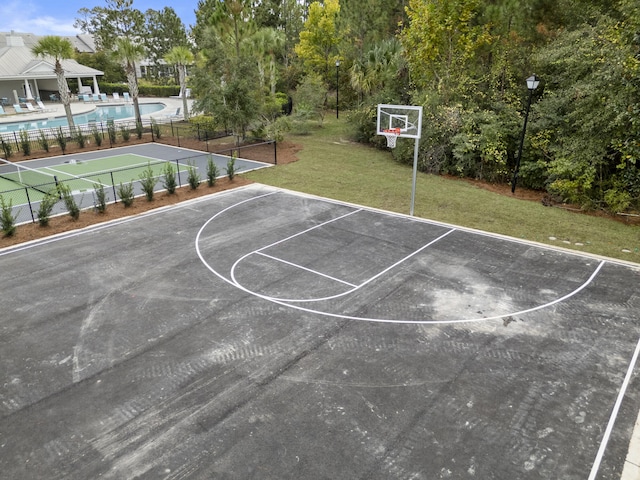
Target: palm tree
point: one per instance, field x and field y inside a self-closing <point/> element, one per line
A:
<point x="59" y="49"/>
<point x="128" y="53"/>
<point x="181" y="57"/>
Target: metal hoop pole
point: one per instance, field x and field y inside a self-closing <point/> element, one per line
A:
<point x="415" y="174"/>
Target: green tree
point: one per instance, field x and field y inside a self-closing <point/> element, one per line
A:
<point x="226" y="77"/>
<point x="266" y="43"/>
<point x="585" y="131"/>
<point x="117" y="20"/>
<point x="128" y="53"/>
<point x="319" y="38"/>
<point x="59" y="49"/>
<point x="441" y="44"/>
<point x="164" y="30"/>
<point x="181" y="57"/>
<point x="103" y="61"/>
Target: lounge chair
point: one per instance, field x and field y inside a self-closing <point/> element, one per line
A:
<point x="96" y="97"/>
<point x="41" y="106"/>
<point x="126" y="96"/>
<point x="30" y="107"/>
<point x="18" y="108"/>
<point x="2" y="112"/>
<point x="116" y="97"/>
<point x="103" y="97"/>
<point x="174" y="115"/>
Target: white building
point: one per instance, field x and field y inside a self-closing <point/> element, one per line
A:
<point x="23" y="76"/>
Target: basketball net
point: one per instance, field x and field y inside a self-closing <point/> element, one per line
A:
<point x="391" y="134"/>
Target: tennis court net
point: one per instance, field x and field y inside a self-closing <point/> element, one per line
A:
<point x="27" y="177"/>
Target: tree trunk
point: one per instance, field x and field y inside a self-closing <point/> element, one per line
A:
<point x="183" y="89"/>
<point x="63" y="90"/>
<point x="133" y="88"/>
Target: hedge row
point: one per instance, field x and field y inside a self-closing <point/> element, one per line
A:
<point x="145" y="90"/>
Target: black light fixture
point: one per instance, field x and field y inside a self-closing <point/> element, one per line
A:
<point x="337" y="88"/>
<point x="532" y="83"/>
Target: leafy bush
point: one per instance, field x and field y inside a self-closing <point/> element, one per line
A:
<point x="97" y="136"/>
<point x="148" y="182"/>
<point x="125" y="133"/>
<point x="125" y="192"/>
<point x="111" y="131"/>
<point x="44" y="141"/>
<point x="231" y="167"/>
<point x="212" y="171"/>
<point x="169" y="176"/>
<point x="25" y="144"/>
<point x="61" y="139"/>
<point x="81" y="139"/>
<point x="6" y="148"/>
<point x="7" y="219"/>
<point x="193" y="177"/>
<point x="155" y="128"/>
<point x="139" y="130"/>
<point x="101" y="197"/>
<point x="46" y="206"/>
<point x="69" y="201"/>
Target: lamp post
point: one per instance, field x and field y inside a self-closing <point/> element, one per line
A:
<point x="337" y="88"/>
<point x="532" y="84"/>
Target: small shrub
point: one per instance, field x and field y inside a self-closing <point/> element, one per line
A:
<point x="81" y="139"/>
<point x="46" y="206"/>
<point x="111" y="131"/>
<point x="7" y="220"/>
<point x="61" y="139"/>
<point x="25" y="144"/>
<point x="6" y="148"/>
<point x="97" y="136"/>
<point x="156" y="129"/>
<point x="69" y="201"/>
<point x="193" y="177"/>
<point x="212" y="171"/>
<point x="231" y="168"/>
<point x="125" y="133"/>
<point x="125" y="192"/>
<point x="148" y="182"/>
<point x="169" y="175"/>
<point x="139" y="130"/>
<point x="101" y="197"/>
<point x="44" y="141"/>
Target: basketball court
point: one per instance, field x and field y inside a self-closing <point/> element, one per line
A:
<point x="261" y="333"/>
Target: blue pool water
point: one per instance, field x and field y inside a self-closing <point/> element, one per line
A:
<point x="100" y="114"/>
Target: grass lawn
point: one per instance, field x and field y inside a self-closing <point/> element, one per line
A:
<point x="332" y="165"/>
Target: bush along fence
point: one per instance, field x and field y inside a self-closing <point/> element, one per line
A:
<point x="107" y="134"/>
<point x="97" y="190"/>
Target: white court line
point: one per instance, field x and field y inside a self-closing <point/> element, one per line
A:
<point x="614" y="414"/>
<point x="300" y="267"/>
<point x="368" y="319"/>
<point x="356" y="287"/>
<point x="74" y="177"/>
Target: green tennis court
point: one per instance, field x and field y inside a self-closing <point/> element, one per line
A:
<point x="84" y="175"/>
<point x="25" y="183"/>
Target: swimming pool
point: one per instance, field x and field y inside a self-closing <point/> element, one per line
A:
<point x="100" y="114"/>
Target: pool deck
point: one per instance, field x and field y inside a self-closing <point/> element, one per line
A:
<point x="56" y="109"/>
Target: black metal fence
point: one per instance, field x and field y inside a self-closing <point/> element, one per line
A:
<point x="111" y="133"/>
<point x="84" y="189"/>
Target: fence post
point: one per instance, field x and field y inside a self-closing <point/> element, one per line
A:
<point x="275" y="152"/>
<point x="113" y="185"/>
<point x="26" y="190"/>
<point x="178" y="170"/>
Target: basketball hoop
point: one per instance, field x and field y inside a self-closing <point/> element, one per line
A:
<point x="391" y="134"/>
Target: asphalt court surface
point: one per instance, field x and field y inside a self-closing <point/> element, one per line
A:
<point x="261" y="333"/>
